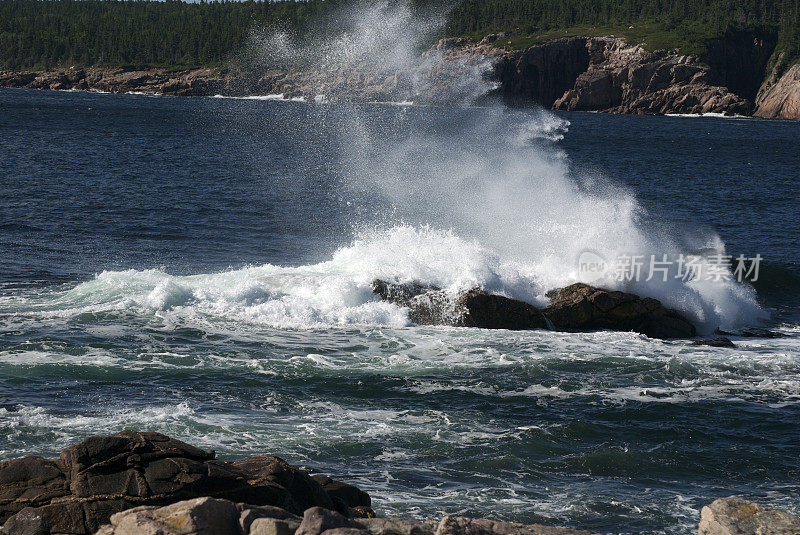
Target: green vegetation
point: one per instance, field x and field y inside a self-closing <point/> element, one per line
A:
<point x="175" y="34"/>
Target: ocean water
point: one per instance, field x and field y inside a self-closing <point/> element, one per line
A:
<point x="201" y="267"/>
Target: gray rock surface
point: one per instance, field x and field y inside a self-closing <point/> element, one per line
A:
<point x="779" y="97"/>
<point x="210" y="516"/>
<point x="737" y="516"/>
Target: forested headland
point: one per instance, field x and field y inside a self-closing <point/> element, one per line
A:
<point x="45" y="34"/>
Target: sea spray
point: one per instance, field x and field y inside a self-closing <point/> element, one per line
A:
<point x="487" y="199"/>
<point x="377" y="51"/>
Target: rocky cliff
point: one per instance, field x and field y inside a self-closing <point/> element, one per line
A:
<point x="607" y="74"/>
<point x="574" y="73"/>
<point x="779" y="97"/>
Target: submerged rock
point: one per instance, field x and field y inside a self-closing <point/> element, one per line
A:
<point x="754" y="332"/>
<point x="580" y="307"/>
<point x="100" y="476"/>
<point x="737" y="516"/>
<point x="719" y="341"/>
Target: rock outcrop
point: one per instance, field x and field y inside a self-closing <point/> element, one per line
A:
<point x="136" y="483"/>
<point x="578" y="307"/>
<point x="779" y="97"/>
<point x="121" y="80"/>
<point x="737" y="516"/>
<point x="621" y="78"/>
<point x="99" y="476"/>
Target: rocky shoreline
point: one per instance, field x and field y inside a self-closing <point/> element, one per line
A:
<point x="572" y="73"/>
<point x="143" y="483"/>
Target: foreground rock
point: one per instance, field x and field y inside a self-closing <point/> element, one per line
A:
<point x="737" y="516"/>
<point x="578" y="307"/>
<point x="99" y="476"/>
<point x="210" y="516"/>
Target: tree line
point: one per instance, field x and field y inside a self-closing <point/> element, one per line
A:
<point x="57" y="33"/>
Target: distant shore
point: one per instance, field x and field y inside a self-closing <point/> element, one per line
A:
<point x="575" y="73"/>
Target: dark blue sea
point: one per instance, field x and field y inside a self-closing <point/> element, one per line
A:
<point x="202" y="267"/>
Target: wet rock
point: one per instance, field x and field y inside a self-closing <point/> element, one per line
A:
<point x="719" y="341"/>
<point x="737" y="516"/>
<point x="489" y="311"/>
<point x="755" y="332"/>
<point x="101" y="476"/>
<point x="580" y="307"/>
<point x="400" y="293"/>
<point x="428" y="305"/>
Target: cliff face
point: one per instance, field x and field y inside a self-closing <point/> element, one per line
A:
<point x="779" y="97"/>
<point x="738" y="60"/>
<point x="541" y="73"/>
<point x="607" y="74"/>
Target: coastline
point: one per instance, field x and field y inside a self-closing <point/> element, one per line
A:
<point x="145" y="482"/>
<point x="603" y="74"/>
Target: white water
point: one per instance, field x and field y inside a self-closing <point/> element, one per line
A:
<point x="491" y="202"/>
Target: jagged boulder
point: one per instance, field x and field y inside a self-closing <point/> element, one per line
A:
<point x="100" y="476"/>
<point x="737" y="516"/>
<point x="580" y="307"/>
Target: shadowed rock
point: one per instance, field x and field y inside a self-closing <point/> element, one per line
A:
<point x="737" y="516"/>
<point x="489" y="311"/>
<point x="100" y="476"/>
